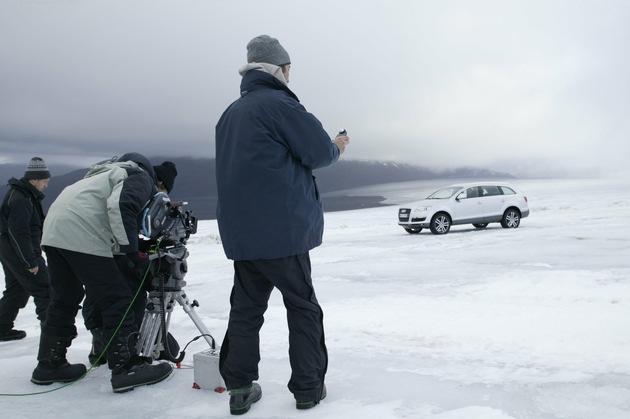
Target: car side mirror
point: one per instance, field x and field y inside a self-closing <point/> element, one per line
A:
<point x="458" y="197"/>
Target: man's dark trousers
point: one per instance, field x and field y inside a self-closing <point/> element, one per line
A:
<point x="91" y="312"/>
<point x="240" y="353"/>
<point x="69" y="273"/>
<point x="20" y="285"/>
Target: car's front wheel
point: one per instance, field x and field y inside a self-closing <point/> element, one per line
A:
<point x="413" y="230"/>
<point x="511" y="218"/>
<point x="440" y="223"/>
<point x="480" y="225"/>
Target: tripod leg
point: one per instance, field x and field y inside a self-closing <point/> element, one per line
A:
<point x="150" y="343"/>
<point x="148" y="334"/>
<point x="182" y="299"/>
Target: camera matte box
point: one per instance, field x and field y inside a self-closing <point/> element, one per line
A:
<point x="206" y="366"/>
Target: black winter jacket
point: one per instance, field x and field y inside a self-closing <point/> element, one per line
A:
<point x="21" y="220"/>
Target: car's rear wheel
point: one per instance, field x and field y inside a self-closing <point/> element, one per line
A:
<point x="511" y="218"/>
<point x="440" y="223"/>
<point x="480" y="225"/>
<point x="413" y="230"/>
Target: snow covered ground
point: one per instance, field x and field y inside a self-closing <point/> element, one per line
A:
<point x="489" y="324"/>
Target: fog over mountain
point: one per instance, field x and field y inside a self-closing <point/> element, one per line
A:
<point x="196" y="183"/>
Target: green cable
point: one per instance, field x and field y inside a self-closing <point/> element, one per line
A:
<point x="104" y="349"/>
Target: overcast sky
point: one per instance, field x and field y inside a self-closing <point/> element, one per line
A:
<point x="506" y="85"/>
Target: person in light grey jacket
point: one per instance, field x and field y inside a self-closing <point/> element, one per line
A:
<point x="89" y="222"/>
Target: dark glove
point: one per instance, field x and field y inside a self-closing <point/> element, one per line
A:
<point x="133" y="264"/>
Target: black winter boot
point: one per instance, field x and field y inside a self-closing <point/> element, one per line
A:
<point x="12" y="334"/>
<point x="308" y="404"/>
<point x="130" y="370"/>
<point x="53" y="366"/>
<point x="241" y="399"/>
<point x="97" y="355"/>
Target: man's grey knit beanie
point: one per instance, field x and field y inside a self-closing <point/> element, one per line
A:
<point x="265" y="49"/>
<point x="37" y="169"/>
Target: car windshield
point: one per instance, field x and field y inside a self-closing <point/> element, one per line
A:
<point x="444" y="193"/>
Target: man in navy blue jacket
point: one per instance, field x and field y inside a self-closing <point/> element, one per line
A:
<point x="270" y="216"/>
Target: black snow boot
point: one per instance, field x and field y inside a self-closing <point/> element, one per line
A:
<point x="97" y="355"/>
<point x="241" y="399"/>
<point x="53" y="366"/>
<point x="309" y="404"/>
<point x="11" y="334"/>
<point x="130" y="370"/>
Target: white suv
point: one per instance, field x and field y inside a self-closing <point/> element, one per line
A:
<point x="470" y="203"/>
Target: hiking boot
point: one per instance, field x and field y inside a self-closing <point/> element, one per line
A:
<point x="307" y="404"/>
<point x="128" y="369"/>
<point x="241" y="399"/>
<point x="54" y="372"/>
<point x="53" y="367"/>
<point x="12" y="334"/>
<point x="140" y="374"/>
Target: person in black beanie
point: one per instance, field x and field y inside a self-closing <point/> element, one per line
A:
<point x="165" y="174"/>
<point x="25" y="270"/>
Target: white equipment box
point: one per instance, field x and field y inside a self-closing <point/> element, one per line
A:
<point x="207" y="376"/>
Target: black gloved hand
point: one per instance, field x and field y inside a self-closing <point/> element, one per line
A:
<point x="133" y="264"/>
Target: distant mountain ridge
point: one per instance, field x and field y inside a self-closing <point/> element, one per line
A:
<point x="196" y="183"/>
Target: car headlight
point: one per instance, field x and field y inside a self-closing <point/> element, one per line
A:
<point x="422" y="209"/>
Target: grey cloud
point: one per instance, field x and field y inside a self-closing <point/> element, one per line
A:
<point x="434" y="83"/>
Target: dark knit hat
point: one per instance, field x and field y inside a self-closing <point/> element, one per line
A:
<point x="166" y="173"/>
<point x="37" y="169"/>
<point x="265" y="49"/>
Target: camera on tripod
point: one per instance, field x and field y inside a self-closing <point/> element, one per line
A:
<point x="167" y="229"/>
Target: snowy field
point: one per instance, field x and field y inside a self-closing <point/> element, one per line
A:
<point x="477" y="324"/>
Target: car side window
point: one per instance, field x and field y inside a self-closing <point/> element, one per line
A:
<point x="490" y="191"/>
<point x="472" y="192"/>
<point x="507" y="191"/>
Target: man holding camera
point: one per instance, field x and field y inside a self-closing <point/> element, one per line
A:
<point x="270" y="217"/>
<point x="88" y="223"/>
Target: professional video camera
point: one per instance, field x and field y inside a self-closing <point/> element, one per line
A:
<point x="167" y="229"/>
